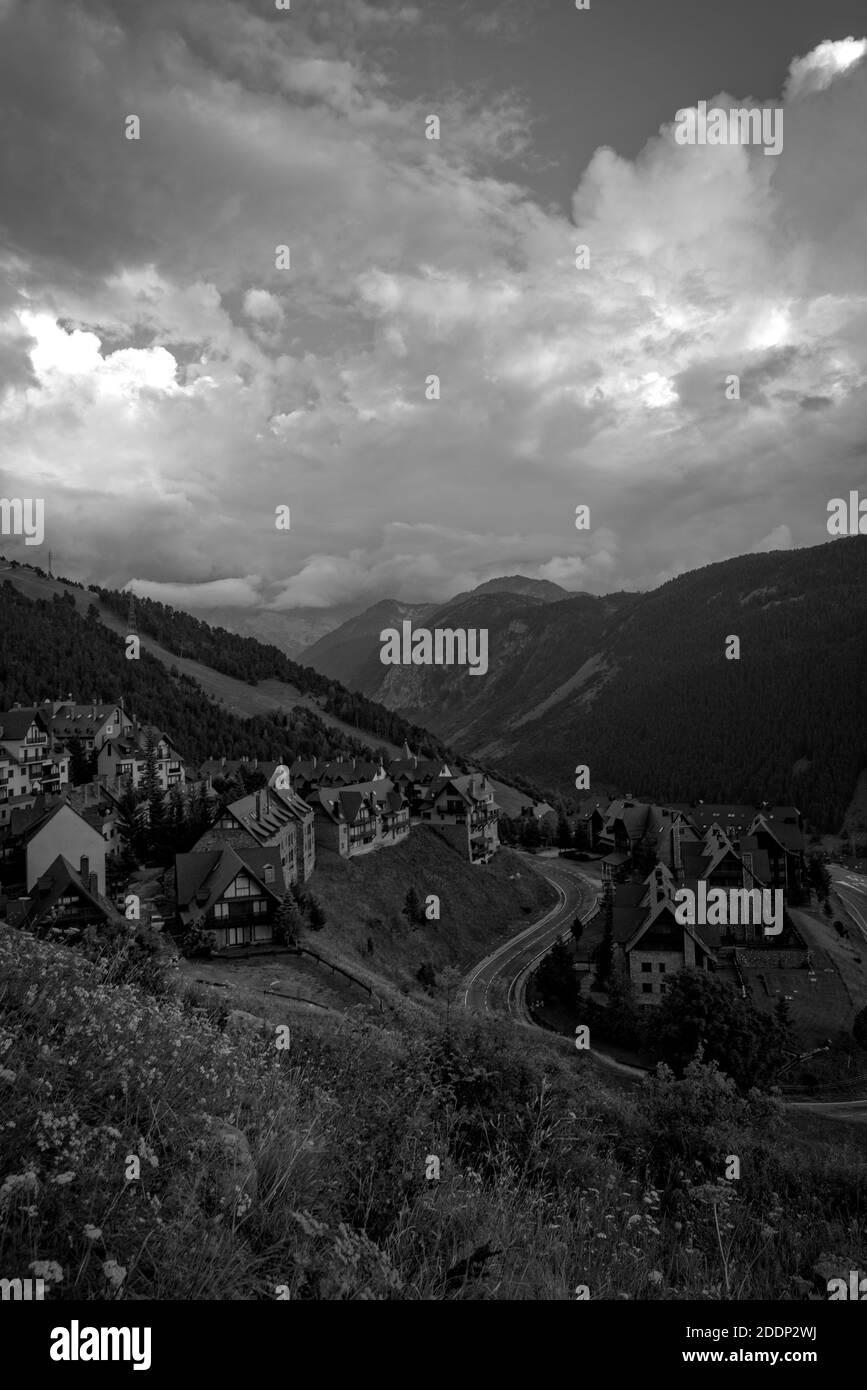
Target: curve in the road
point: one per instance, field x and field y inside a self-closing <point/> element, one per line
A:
<point x="539" y="937"/>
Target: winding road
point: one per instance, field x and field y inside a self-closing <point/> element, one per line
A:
<point x="498" y="983"/>
<point x="851" y="888"/>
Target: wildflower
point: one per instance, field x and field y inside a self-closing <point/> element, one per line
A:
<point x="6" y="1074"/>
<point x="49" y="1270"/>
<point x="633" y="1221"/>
<point x="114" y="1273"/>
<point x="17" y="1182"/>
<point x="711" y="1193"/>
<point x="63" y="1178"/>
<point x="654" y="1276"/>
<point x="92" y="1232"/>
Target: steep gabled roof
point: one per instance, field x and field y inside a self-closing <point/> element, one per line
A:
<point x="346" y="803"/>
<point x="203" y="876"/>
<point x="787" y="836"/>
<point x="15" y="723"/>
<point x="56" y="882"/>
<point x="47" y="816"/>
<point x="262" y="812"/>
<point x="294" y="804"/>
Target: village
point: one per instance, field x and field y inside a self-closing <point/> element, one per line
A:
<point x="83" y="784"/>
<point x="654" y="860"/>
<point x="102" y="821"/>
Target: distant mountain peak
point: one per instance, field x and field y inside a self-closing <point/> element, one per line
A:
<point x="543" y="589"/>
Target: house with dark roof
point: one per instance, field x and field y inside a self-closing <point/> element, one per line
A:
<point x="722" y="863"/>
<point x="279" y="784"/>
<point x="590" y="821"/>
<point x="354" y="820"/>
<point x="267" y="819"/>
<point x="779" y="835"/>
<point x="33" y="760"/>
<point x="464" y="811"/>
<point x="304" y="774"/>
<point x="415" y="776"/>
<point x="234" y="892"/>
<point x="64" y="896"/>
<point x="91" y="724"/>
<point x="61" y="830"/>
<point x="653" y="945"/>
<point x="126" y="758"/>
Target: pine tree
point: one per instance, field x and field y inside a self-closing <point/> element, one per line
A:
<point x="556" y="979"/>
<point x="287" y="921"/>
<point x="130" y="822"/>
<point x="80" y="762"/>
<point x="177" y="812"/>
<point x="198" y="813"/>
<point x="316" y="918"/>
<point x="412" y="908"/>
<point x="530" y="835"/>
<point x="603" y="954"/>
<point x="783" y="1015"/>
<point x="564" y="834"/>
<point x="150" y="785"/>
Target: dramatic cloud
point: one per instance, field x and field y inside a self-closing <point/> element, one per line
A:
<point x="166" y="386"/>
<point x="219" y="593"/>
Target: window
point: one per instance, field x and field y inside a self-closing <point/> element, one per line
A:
<point x="662" y="969"/>
<point x="646" y="965"/>
<point x="234" y="936"/>
<point x="259" y="906"/>
<point x="221" y="910"/>
<point x="240" y="888"/>
<point x="647" y="989"/>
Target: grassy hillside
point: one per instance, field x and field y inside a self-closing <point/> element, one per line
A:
<point x="48" y="648"/>
<point x="479" y="906"/>
<point x="304" y="1168"/>
<point x="270" y="698"/>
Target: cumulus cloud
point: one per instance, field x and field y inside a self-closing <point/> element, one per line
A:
<point x="167" y="387"/>
<point x="816" y="71"/>
<point x="262" y="305"/>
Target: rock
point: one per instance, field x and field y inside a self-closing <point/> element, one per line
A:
<point x="233" y="1169"/>
<point x="241" y="1024"/>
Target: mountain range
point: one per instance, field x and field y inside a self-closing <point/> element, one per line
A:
<point x="638" y="685"/>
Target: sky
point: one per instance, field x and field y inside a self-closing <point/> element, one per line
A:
<point x="165" y="386"/>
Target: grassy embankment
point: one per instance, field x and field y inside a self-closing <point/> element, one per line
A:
<point x="305" y="1167"/>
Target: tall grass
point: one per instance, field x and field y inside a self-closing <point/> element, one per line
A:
<point x="555" y="1180"/>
